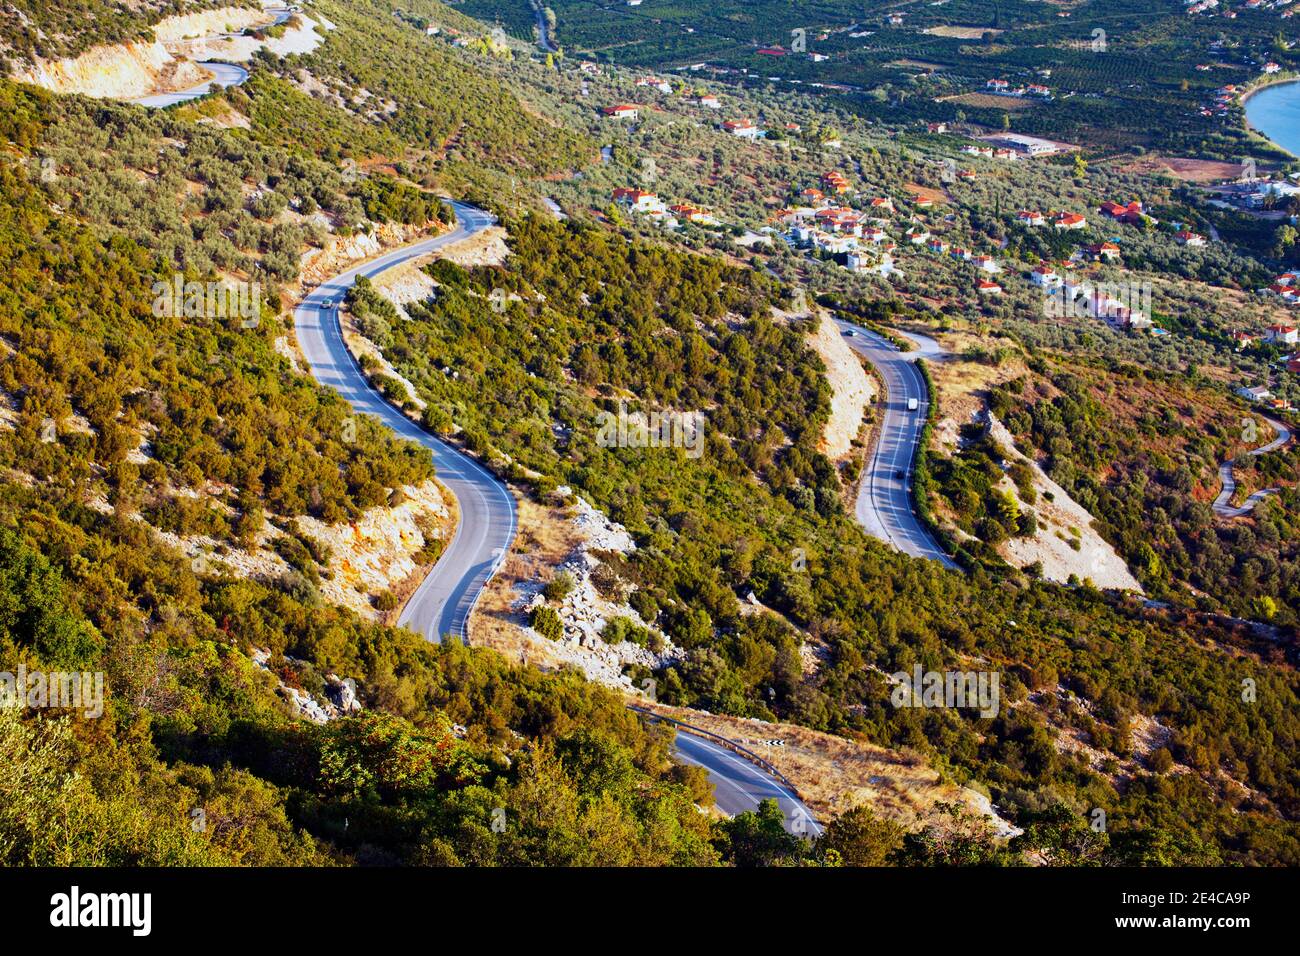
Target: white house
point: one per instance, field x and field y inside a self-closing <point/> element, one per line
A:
<point x="834" y="244"/>
<point x="744" y="129"/>
<point x="1257" y="393"/>
<point x="638" y="200"/>
<point x="1045" y="276"/>
<point x="884" y="267"/>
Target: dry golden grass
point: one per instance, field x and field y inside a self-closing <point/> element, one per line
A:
<point x="963" y="385"/>
<point x="925" y="192"/>
<point x="1188" y="170"/>
<point x="545" y="537"/>
<point x="959" y="32"/>
<point x="991" y="101"/>
<point x="834" y="774"/>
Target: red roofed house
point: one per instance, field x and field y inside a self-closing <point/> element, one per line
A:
<point x="690" y="213"/>
<point x="1044" y="275"/>
<point x="1284" y="334"/>
<point x="1287" y="292"/>
<point x="985" y="287"/>
<point x="1132" y="213"/>
<point x="622" y="111"/>
<point x="638" y="199"/>
<point x="1069" y="220"/>
<point x="836" y="183"/>
<point x="745" y="129"/>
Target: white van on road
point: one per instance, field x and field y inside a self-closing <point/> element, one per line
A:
<point x="911" y="405"/>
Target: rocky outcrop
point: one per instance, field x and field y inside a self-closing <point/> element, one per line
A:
<point x="405" y="284"/>
<point x="340" y="698"/>
<point x="375" y="552"/>
<point x="204" y="23"/>
<point x="317" y="265"/>
<point x="368" y="556"/>
<point x="584" y="611"/>
<point x="300" y="36"/>
<point x="170" y="62"/>
<point x="486" y="248"/>
<point x="1065" y="542"/>
<point x="851" y="389"/>
<point x="126" y="71"/>
<point x="342" y="693"/>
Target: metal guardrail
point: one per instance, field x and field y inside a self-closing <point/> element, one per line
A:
<point x="717" y="738"/>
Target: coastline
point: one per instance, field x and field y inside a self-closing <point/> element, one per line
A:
<point x="1259" y="88"/>
<point x="1280" y="80"/>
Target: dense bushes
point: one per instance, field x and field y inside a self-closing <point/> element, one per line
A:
<point x="1149" y="472"/>
<point x="589" y="322"/>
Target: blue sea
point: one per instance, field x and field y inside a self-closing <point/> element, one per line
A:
<point x="1275" y="112"/>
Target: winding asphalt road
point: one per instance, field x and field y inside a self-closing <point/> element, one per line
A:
<point x="442" y="604"/>
<point x="1221" y="506"/>
<point x="223" y="74"/>
<point x="739" y="785"/>
<point x="884" y="505"/>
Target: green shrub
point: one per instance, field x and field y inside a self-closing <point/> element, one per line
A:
<point x="622" y="629"/>
<point x="559" y="587"/>
<point x="546" y="622"/>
